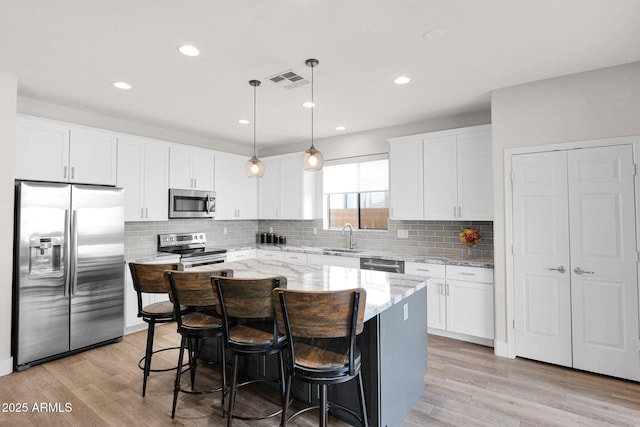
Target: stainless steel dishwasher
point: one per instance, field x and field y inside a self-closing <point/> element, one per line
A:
<point x="378" y="264"/>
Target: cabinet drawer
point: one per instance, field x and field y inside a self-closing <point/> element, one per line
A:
<point x="295" y="257"/>
<point x="470" y="274"/>
<point x="425" y="269"/>
<point x="267" y="254"/>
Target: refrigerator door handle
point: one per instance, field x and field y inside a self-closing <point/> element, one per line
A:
<point x="74" y="249"/>
<point x="67" y="258"/>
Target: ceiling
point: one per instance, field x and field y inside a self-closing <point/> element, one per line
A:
<point x="69" y="52"/>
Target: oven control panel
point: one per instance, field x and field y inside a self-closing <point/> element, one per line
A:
<point x="181" y="239"/>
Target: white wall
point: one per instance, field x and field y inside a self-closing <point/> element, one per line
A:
<point x="375" y="141"/>
<point x="8" y="94"/>
<point x="58" y="112"/>
<point x="590" y="105"/>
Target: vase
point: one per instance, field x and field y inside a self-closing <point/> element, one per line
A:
<point x="470" y="253"/>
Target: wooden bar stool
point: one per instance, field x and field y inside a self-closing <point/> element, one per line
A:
<point x="249" y="329"/>
<point x="150" y="279"/>
<point x="194" y="290"/>
<point x="321" y="327"/>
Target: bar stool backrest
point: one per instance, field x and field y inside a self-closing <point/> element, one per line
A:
<point x="320" y="314"/>
<point x="193" y="288"/>
<point x="247" y="298"/>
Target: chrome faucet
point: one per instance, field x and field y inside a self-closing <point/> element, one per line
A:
<point x="352" y="243"/>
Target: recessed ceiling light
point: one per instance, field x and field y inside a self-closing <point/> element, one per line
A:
<point x="189" y="50"/>
<point x="340" y="128"/>
<point x="122" y="85"/>
<point x="243" y="121"/>
<point x="308" y="104"/>
<point x="433" y="34"/>
<point x="402" y="80"/>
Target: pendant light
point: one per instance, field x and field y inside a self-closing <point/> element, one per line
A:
<point x="312" y="159"/>
<point x="254" y="166"/>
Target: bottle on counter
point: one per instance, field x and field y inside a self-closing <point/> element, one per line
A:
<point x="263" y="237"/>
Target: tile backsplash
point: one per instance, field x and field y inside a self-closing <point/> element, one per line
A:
<point x="424" y="238"/>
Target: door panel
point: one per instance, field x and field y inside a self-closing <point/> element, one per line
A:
<point x="97" y="289"/>
<point x="41" y="276"/>
<point x="541" y="257"/>
<point x="603" y="261"/>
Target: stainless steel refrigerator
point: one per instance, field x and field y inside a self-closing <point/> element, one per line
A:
<point x="68" y="278"/>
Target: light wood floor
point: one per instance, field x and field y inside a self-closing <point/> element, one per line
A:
<point x="466" y="385"/>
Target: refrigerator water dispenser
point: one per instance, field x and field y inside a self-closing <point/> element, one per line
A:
<point x="44" y="255"/>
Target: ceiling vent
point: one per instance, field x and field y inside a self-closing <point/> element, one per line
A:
<point x="287" y="79"/>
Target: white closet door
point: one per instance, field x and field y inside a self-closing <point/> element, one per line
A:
<point x="603" y="261"/>
<point x="541" y="257"/>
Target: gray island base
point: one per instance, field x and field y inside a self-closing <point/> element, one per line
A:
<point x="394" y="341"/>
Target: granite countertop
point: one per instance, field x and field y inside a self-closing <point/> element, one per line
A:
<point x="383" y="289"/>
<point x="468" y="262"/>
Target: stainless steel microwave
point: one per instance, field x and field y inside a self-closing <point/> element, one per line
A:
<point x="191" y="203"/>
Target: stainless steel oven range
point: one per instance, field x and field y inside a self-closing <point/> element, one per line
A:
<point x="192" y="248"/>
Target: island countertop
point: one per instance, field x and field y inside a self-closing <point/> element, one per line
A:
<point x="383" y="289"/>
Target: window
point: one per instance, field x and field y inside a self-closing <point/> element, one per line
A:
<point x="356" y="193"/>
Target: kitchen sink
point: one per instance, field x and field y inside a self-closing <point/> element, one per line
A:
<point x="341" y="250"/>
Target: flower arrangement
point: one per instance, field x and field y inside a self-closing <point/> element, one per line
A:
<point x="469" y="237"/>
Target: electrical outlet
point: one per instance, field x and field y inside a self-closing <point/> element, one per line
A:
<point x="225" y="230"/>
<point x="403" y="234"/>
<point x="406" y="311"/>
<point x="270" y="229"/>
<point x="315" y="231"/>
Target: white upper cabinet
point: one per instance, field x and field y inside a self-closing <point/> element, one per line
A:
<point x="445" y="175"/>
<point x="48" y="150"/>
<point x="405" y="172"/>
<point x="191" y="168"/>
<point x="286" y="191"/>
<point x="143" y="171"/>
<point x="236" y="193"/>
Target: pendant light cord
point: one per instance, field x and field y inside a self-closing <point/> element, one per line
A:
<point x="313" y="105"/>
<point x="254" y="121"/>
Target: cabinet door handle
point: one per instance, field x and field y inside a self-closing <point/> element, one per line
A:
<point x="195" y="182"/>
<point x="459" y="211"/>
<point x="579" y="270"/>
<point x="141" y="212"/>
<point x="467" y="274"/>
<point x="64" y="173"/>
<point x="560" y="269"/>
<point x="446" y="291"/>
<point x="441" y="288"/>
<point x="73" y="172"/>
<point x="454" y="211"/>
<point x="146" y="212"/>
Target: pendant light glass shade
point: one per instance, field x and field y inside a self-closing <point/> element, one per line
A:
<point x="254" y="166"/>
<point x="312" y="159"/>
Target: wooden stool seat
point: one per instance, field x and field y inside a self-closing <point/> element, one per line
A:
<point x="162" y="309"/>
<point x="325" y="354"/>
<point x="253" y="334"/>
<point x="197" y="320"/>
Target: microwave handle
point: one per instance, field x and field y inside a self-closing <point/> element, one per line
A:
<point x="211" y="204"/>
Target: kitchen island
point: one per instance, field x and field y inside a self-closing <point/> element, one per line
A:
<point x="394" y="340"/>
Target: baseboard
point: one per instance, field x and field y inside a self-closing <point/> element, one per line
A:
<point x="461" y="337"/>
<point x="6" y="366"/>
<point x="135" y="328"/>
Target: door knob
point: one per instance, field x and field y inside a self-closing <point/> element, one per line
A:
<point x="560" y="269"/>
<point x="579" y="270"/>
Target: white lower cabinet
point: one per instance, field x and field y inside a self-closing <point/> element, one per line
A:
<point x="459" y="300"/>
<point x="241" y="255"/>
